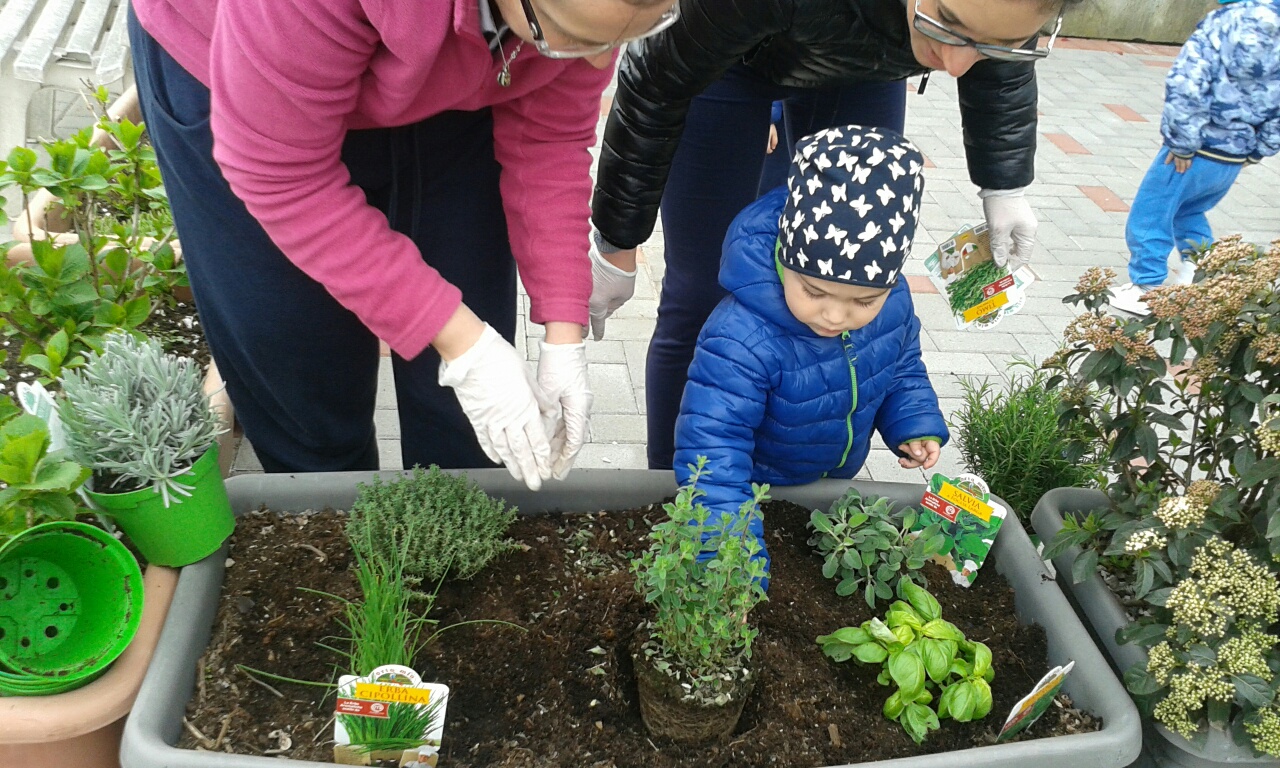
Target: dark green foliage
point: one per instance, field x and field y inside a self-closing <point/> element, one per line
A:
<point x="966" y="291"/>
<point x="1011" y="438"/>
<point x="457" y="528"/>
<point x="869" y="546"/>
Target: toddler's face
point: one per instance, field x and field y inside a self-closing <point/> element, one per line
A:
<point x="830" y="308"/>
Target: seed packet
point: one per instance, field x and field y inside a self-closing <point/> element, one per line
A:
<point x="387" y="699"/>
<point x="970" y="521"/>
<point x="979" y="293"/>
<point x="1030" y="707"/>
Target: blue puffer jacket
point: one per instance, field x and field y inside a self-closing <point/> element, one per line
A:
<point x="770" y="401"/>
<point x="1222" y="95"/>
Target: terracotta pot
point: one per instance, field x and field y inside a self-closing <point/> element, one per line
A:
<point x="83" y="727"/>
<point x="667" y="713"/>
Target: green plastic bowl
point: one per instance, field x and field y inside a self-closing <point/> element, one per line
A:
<point x="70" y="603"/>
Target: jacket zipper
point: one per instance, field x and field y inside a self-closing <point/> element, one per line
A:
<point x="851" y="358"/>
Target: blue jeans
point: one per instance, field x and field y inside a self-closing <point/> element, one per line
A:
<point x="1169" y="210"/>
<point x="302" y="370"/>
<point x="716" y="173"/>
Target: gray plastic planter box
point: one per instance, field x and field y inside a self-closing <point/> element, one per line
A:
<point x="1105" y="615"/>
<point x="156" y="722"/>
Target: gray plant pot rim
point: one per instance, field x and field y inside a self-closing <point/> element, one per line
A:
<point x="156" y="722"/>
<point x="1104" y="611"/>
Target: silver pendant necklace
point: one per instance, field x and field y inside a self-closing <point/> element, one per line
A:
<point x="504" y="77"/>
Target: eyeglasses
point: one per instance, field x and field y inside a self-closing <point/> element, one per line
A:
<point x="578" y="51"/>
<point x="936" y="30"/>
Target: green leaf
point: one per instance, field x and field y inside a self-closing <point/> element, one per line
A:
<point x="936" y="661"/>
<point x="918" y="720"/>
<point x="1085" y="566"/>
<point x="924" y="603"/>
<point x="982" y="700"/>
<point x="894" y="705"/>
<point x="1266" y="469"/>
<point x="907" y="670"/>
<point x="1139" y="681"/>
<point x="981" y="659"/>
<point x="870" y="653"/>
<point x="881" y="632"/>
<point x="941" y="629"/>
<point x="850" y="635"/>
<point x="962" y="701"/>
<point x="59" y="476"/>
<point x="1145" y="635"/>
<point x="1252" y="690"/>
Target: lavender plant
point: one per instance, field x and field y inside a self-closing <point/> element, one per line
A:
<point x="137" y="416"/>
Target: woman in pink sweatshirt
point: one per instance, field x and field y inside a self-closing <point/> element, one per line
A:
<point x="344" y="171"/>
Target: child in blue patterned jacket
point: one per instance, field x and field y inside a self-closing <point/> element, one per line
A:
<point x="817" y="343"/>
<point x="1221" y="112"/>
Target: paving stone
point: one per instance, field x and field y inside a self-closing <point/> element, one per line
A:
<point x="618" y="427"/>
<point x="974" y="341"/>
<point x="958" y="362"/>
<point x="610" y="456"/>
<point x="611" y="386"/>
<point x="606" y="350"/>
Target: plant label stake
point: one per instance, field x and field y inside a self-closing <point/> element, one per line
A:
<point x="1030" y="707"/>
<point x="970" y="522"/>
<point x="389" y="714"/>
<point x="979" y="292"/>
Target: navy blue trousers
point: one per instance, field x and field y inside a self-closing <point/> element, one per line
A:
<point x="300" y="368"/>
<point x="717" y="171"/>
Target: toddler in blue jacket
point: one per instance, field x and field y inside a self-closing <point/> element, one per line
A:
<point x="817" y="343"/>
<point x="1221" y="112"/>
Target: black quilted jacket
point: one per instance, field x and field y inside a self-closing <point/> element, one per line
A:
<point x="805" y="43"/>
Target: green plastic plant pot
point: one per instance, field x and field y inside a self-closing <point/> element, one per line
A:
<point x="70" y="603"/>
<point x="190" y="529"/>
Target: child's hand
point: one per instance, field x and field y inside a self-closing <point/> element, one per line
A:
<point x="923" y="453"/>
<point x="773" y="140"/>
<point x="1180" y="164"/>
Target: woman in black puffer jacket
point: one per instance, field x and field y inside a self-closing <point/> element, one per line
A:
<point x="689" y="125"/>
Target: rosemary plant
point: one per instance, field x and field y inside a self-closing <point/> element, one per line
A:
<point x="137" y="416"/>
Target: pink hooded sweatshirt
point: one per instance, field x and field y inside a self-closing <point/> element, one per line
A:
<point x="288" y="78"/>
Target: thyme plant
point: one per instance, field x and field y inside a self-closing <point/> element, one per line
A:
<point x="869" y="547"/>
<point x="137" y="417"/>
<point x="457" y="527"/>
<point x="700" y="634"/>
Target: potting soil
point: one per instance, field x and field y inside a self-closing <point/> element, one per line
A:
<point x="563" y="693"/>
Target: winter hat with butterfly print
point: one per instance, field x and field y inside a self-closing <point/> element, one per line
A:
<point x="853" y="203"/>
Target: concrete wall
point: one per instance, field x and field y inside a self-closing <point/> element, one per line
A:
<point x="1152" y="21"/>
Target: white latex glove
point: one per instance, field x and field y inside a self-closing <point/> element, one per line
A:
<point x="610" y="288"/>
<point x="562" y="374"/>
<point x="502" y="401"/>
<point x="1012" y="224"/>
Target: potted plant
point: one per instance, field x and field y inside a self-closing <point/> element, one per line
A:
<point x="702" y="577"/>
<point x="87" y="722"/>
<point x="1190" y="437"/>
<point x="1010" y="437"/>
<point x="139" y="419"/>
<point x="152" y="735"/>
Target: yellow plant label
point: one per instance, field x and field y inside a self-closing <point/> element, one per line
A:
<point x="966" y="501"/>
<point x="986" y="307"/>
<point x="393" y="693"/>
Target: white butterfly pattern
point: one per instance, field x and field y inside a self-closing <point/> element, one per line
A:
<point x="825" y="266"/>
<point x="848" y="273"/>
<point x="897" y="150"/>
<point x="861" y="205"/>
<point x="897" y="222"/>
<point x="888" y="246"/>
<point x="850" y="249"/>
<point x="876" y="157"/>
<point x="839" y="193"/>
<point x="873" y="229"/>
<point x="824" y="210"/>
<point x="814" y="183"/>
<point x="897" y="170"/>
<point x="847" y="161"/>
<point x="885" y="193"/>
<point x="802" y="257"/>
<point x="823" y="162"/>
<point x="835" y="234"/>
<point x="810" y="234"/>
<point x="872" y="270"/>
